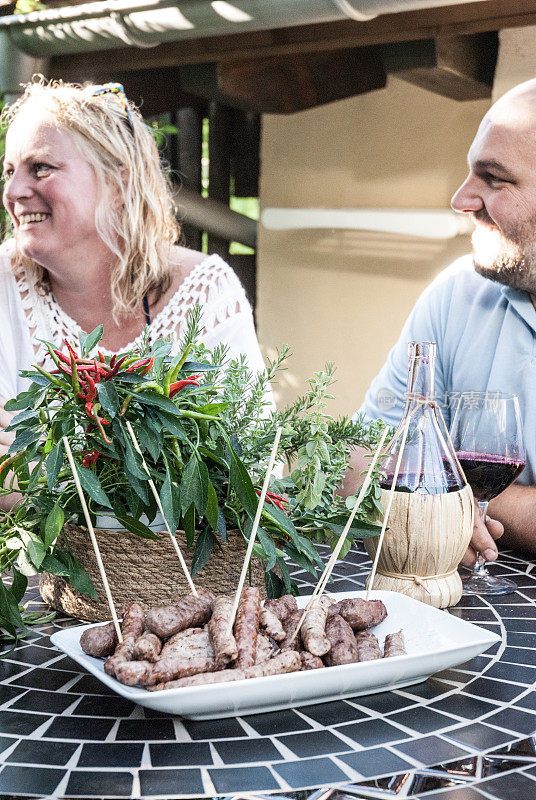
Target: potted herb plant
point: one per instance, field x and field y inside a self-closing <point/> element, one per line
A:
<point x="205" y="432"/>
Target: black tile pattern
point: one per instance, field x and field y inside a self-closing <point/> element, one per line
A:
<point x="433" y="739"/>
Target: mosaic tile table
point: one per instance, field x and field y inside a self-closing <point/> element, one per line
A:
<point x="466" y="734"/>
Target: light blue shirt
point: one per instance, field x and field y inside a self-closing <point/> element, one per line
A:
<point x="486" y="341"/>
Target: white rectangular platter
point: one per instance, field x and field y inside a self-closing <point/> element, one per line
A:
<point x="434" y="639"/>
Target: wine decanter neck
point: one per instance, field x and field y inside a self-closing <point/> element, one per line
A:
<point x="420" y="385"/>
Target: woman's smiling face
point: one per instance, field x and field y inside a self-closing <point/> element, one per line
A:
<point x="50" y="192"/>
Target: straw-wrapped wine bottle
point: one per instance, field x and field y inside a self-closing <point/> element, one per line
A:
<point x="431" y="519"/>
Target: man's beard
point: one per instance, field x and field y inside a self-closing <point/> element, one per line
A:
<point x="503" y="259"/>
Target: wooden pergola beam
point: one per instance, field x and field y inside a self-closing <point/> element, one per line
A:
<point x="293" y="83"/>
<point x="459" y="67"/>
<point x="458" y="20"/>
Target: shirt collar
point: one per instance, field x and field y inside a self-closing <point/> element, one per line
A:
<point x="522" y="304"/>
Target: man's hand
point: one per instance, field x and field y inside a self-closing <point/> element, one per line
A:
<point x="483" y="540"/>
<point x="5" y="418"/>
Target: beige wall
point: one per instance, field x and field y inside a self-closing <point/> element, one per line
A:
<point x="344" y="295"/>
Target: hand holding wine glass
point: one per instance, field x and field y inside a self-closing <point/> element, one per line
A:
<point x="487" y="435"/>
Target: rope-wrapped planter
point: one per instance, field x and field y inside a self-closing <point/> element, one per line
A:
<point x="143" y="570"/>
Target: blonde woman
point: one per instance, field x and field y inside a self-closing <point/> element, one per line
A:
<point x="94" y="237"/>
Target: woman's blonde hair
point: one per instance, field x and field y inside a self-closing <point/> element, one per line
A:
<point x="139" y="226"/>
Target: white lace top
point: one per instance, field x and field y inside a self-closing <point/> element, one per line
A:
<point x="26" y="317"/>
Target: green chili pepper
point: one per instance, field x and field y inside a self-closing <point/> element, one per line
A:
<point x="50" y="377"/>
<point x="177" y="453"/>
<point x="74" y="375"/>
<point x="149" y="385"/>
<point x="126" y="403"/>
<point x="174" y="369"/>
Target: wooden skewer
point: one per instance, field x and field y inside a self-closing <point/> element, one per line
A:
<point x="388" y="509"/>
<point x="321" y="585"/>
<point x="159" y="504"/>
<point x="253" y="534"/>
<point x="93" y="539"/>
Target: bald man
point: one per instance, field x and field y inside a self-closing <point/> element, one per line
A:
<point x="481" y="311"/>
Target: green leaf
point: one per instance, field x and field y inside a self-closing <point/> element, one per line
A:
<point x="36" y="377"/>
<point x="79" y="579"/>
<point x="82" y="336"/>
<point x="204" y="451"/>
<point x="25" y="565"/>
<point x="301" y="560"/>
<point x="151" y="398"/>
<point x="242" y="484"/>
<point x="36" y="551"/>
<point x="202" y="551"/>
<point x="173" y="425"/>
<point x="130" y="377"/>
<point x="24" y="400"/>
<point x="358" y="529"/>
<point x="274" y="585"/>
<point x="266" y="541"/>
<point x="188" y="524"/>
<point x="133" y="462"/>
<point x="140" y="488"/>
<point x="199" y="366"/>
<point x="280" y="520"/>
<point x="285" y="575"/>
<point x="136" y="527"/>
<point x="54" y="566"/>
<point x="149" y="441"/>
<point x="109" y="399"/>
<point x="53" y="525"/>
<point x="36" y="471"/>
<point x="22" y="417"/>
<point x="19" y="585"/>
<point x="27" y="437"/>
<point x="222" y="525"/>
<point x="9" y="607"/>
<point x="194" y="485"/>
<point x="92" y="339"/>
<point x="53" y="464"/>
<point x="212" y="409"/>
<point x="91" y="485"/>
<point x="211" y="512"/>
<point x="170" y="499"/>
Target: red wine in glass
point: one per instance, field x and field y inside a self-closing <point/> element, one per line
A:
<point x="488" y="474"/>
<point x="487" y="435"/>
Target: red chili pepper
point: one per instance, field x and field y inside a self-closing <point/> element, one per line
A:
<point x="65" y="370"/>
<point x="179" y="385"/>
<point x="142" y="363"/>
<point x="101" y="357"/>
<point x="112" y="361"/>
<point x="90" y="458"/>
<point x="62" y="357"/>
<point x="92" y="390"/>
<point x="71" y="350"/>
<point x="115" y="367"/>
<point x="85" y="367"/>
<point x="148" y="367"/>
<point x="275" y="499"/>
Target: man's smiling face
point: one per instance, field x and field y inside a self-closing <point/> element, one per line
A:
<point x="500" y="191"/>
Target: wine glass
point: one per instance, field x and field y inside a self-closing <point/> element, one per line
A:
<point x="487" y="436"/>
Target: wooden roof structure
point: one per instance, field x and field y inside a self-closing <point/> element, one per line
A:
<point x="449" y="50"/>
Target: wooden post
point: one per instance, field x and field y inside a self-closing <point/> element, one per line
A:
<point x="219" y="170"/>
<point x="189" y="122"/>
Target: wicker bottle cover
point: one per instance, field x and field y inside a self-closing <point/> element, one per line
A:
<point x="431" y="519"/>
